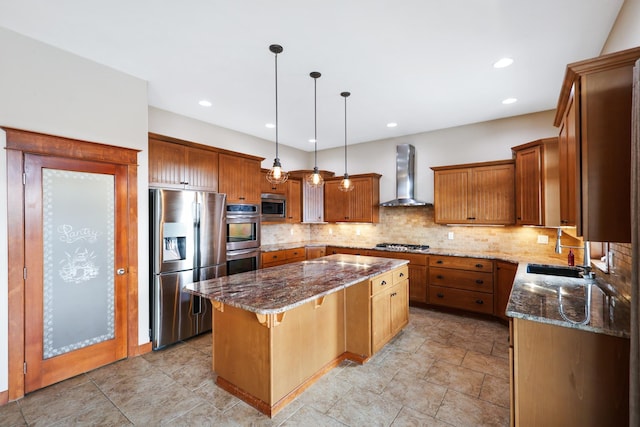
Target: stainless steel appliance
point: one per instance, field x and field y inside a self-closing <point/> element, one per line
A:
<point x="187" y="244"/>
<point x="243" y="238"/>
<point x="405" y="165"/>
<point x="243" y="226"/>
<point x="243" y="260"/>
<point x="274" y="207"/>
<point x="402" y="247"/>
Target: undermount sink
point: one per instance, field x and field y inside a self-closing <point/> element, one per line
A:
<point x="555" y="270"/>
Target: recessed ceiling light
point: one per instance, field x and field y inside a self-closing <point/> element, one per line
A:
<point x="392" y="125"/>
<point x="504" y="62"/>
<point x="509" y="101"/>
<point x="270" y="125"/>
<point x="205" y="103"/>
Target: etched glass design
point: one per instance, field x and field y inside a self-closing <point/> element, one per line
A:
<point x="79" y="247"/>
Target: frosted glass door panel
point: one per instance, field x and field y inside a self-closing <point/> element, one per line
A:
<point x="78" y="276"/>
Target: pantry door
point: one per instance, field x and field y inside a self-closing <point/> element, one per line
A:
<point x="76" y="235"/>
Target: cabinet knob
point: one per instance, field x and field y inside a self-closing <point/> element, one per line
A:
<point x="384" y="282"/>
<point x="479" y="301"/>
<point x="439" y="261"/>
<point x="519" y="218"/>
<point x="478" y="265"/>
<point x="479" y="281"/>
<point x="440" y="295"/>
<point x="401" y="274"/>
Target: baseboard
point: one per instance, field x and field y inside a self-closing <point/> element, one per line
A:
<point x="4" y="397"/>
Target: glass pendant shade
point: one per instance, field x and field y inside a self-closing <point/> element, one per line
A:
<point x="346" y="184"/>
<point x="315" y="179"/>
<point x="276" y="174"/>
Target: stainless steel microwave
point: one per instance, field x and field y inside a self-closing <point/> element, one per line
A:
<point x="274" y="207"/>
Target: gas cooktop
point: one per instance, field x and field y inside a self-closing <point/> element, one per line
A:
<point x="402" y="247"/>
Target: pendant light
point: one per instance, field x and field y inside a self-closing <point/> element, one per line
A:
<point x="345" y="184"/>
<point x="315" y="179"/>
<point x="276" y="175"/>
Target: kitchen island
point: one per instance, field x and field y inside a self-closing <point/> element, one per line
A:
<point x="277" y="330"/>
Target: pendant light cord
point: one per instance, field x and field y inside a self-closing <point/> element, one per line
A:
<point x="276" y="62"/>
<point x="315" y="122"/>
<point x="345" y="94"/>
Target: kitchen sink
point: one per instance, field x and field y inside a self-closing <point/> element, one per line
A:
<point x="555" y="270"/>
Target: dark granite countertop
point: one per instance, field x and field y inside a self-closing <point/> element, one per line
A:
<point x="584" y="304"/>
<point x="278" y="289"/>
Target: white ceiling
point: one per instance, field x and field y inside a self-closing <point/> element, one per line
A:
<point x="425" y="64"/>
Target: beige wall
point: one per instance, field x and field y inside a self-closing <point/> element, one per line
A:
<point x="463" y="144"/>
<point x="51" y="91"/>
<point x="626" y="30"/>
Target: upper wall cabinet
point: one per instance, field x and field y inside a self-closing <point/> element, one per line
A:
<point x="312" y="197"/>
<point x="359" y="205"/>
<point x="174" y="165"/>
<point x="239" y="177"/>
<point x="537" y="183"/>
<point x="475" y="193"/>
<point x="594" y="117"/>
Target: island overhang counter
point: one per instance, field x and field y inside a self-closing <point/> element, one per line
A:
<point x="279" y="329"/>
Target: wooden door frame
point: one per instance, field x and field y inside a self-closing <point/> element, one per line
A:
<point x="19" y="143"/>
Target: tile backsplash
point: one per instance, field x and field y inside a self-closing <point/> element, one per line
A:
<point x="415" y="225"/>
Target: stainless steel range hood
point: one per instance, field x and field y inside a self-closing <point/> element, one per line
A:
<point x="405" y="155"/>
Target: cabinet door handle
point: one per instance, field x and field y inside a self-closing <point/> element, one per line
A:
<point x="394" y="294"/>
<point x="471" y="218"/>
<point x="440" y="295"/>
<point x="479" y="301"/>
<point x="478" y="265"/>
<point x="519" y="218"/>
<point x="439" y="261"/>
<point x="479" y="281"/>
<point x="439" y="276"/>
<point x="241" y="198"/>
<point x="275" y="256"/>
<point x="401" y="274"/>
<point x="384" y="282"/>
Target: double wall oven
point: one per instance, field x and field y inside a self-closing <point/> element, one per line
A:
<point x="243" y="238"/>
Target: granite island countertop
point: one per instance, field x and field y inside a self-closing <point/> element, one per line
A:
<point x="577" y="303"/>
<point x="278" y="289"/>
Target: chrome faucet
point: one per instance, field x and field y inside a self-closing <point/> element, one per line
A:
<point x="586" y="259"/>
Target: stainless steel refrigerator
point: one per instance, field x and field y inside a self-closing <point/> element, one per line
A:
<point x="187" y="244"/>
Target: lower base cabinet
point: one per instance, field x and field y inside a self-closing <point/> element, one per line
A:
<point x="462" y="283"/>
<point x="567" y="377"/>
<point x="284" y="256"/>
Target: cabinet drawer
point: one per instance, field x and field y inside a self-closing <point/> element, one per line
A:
<point x="461" y="279"/>
<point x="272" y="257"/>
<point x="295" y="254"/>
<point x="474" y="264"/>
<point x="400" y="274"/>
<point x="458" y="298"/>
<point x="381" y="282"/>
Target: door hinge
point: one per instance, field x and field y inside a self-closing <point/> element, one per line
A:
<point x="24" y="178"/>
<point x="24" y="273"/>
<point x="24" y="368"/>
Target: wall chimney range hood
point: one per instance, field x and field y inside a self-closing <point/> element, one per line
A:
<point x="405" y="155"/>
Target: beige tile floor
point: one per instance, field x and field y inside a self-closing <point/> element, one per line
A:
<point x="441" y="370"/>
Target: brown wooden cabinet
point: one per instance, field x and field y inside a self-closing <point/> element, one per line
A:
<point x="294" y="200"/>
<point x="315" y="251"/>
<point x="418" y="272"/>
<point x="239" y="178"/>
<point x="174" y="165"/>
<point x="537" y="183"/>
<point x="389" y="312"/>
<point x="283" y="256"/>
<point x="477" y="193"/>
<point x="359" y="205"/>
<point x="460" y="282"/>
<point x="567" y="165"/>
<point x="505" y="273"/>
<point x="594" y="112"/>
<point x="565" y="376"/>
